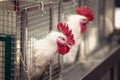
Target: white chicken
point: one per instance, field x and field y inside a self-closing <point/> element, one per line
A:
<point x="44" y="50"/>
<point x="78" y="24"/>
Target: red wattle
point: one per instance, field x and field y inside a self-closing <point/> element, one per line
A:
<point x="63" y="49"/>
<point x="83" y="29"/>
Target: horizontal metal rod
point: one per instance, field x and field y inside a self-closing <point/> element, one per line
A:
<point x="37" y="6"/>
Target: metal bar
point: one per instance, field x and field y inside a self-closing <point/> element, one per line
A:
<point x="59" y="11"/>
<point x="8" y="58"/>
<point x="7" y="40"/>
<point x="60" y="18"/>
<point x="77" y="54"/>
<point x="16" y="6"/>
<point x="75" y="2"/>
<point x="51" y="17"/>
<point x="118" y="74"/>
<point x="66" y="0"/>
<point x="37" y="6"/>
<point x="103" y="27"/>
<point x="112" y="73"/>
<point x="50" y="28"/>
<point x="50" y="71"/>
<point x="24" y="34"/>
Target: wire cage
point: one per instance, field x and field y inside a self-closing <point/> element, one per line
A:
<point x="38" y="25"/>
<point x="21" y="20"/>
<point x="9" y="33"/>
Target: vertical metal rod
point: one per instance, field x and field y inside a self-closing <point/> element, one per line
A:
<point x="50" y="28"/>
<point x="77" y="54"/>
<point x="21" y="44"/>
<point x="8" y="50"/>
<point x="82" y="2"/>
<point x="103" y="27"/>
<point x="112" y="73"/>
<point x="24" y="42"/>
<point x="51" y="18"/>
<point x="99" y="21"/>
<point x="16" y="6"/>
<point x="75" y="3"/>
<point x="60" y="18"/>
<point x="42" y="7"/>
<point x="114" y="16"/>
<point x="79" y="3"/>
<point x="118" y="73"/>
<point x="50" y="70"/>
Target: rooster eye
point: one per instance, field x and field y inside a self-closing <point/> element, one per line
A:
<point x="62" y="38"/>
<point x="84" y="20"/>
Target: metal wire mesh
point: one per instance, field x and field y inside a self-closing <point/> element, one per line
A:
<point x="12" y="23"/>
<point x="2" y="60"/>
<point x="69" y="8"/>
<point x="8" y="22"/>
<point x="37" y="27"/>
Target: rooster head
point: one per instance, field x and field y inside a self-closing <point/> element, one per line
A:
<point x="64" y="42"/>
<point x="87" y="16"/>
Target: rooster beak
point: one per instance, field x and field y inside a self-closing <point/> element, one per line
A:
<point x="69" y="46"/>
<point x="89" y="22"/>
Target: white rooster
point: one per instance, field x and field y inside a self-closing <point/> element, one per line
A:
<point x="78" y="24"/>
<point x="44" y="50"/>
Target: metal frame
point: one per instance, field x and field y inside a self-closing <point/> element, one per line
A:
<point x="7" y="40"/>
<point x="26" y="10"/>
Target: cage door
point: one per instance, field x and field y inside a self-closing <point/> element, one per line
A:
<point x="5" y="57"/>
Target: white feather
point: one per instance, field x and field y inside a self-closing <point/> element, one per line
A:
<point x="40" y="53"/>
<point x="74" y="24"/>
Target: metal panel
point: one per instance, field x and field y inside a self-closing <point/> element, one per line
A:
<point x="109" y="18"/>
<point x="9" y="26"/>
<point x="56" y="13"/>
<point x="5" y="58"/>
<point x="69" y="9"/>
<point x="14" y="21"/>
<point x="37" y="23"/>
<point x="7" y="19"/>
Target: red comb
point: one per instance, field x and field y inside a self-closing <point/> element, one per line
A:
<point x="85" y="11"/>
<point x="62" y="27"/>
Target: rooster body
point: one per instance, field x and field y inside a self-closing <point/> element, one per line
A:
<point x="73" y="22"/>
<point x="78" y="24"/>
<point x="43" y="50"/>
